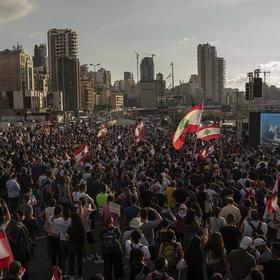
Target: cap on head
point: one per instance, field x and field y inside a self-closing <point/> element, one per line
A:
<point x="135" y="223"/>
<point x="245" y="243"/>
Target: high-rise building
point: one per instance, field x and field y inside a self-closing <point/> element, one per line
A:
<point x="69" y="82"/>
<point x="17" y="80"/>
<point x="128" y="82"/>
<point x="86" y="95"/>
<point x="102" y="79"/>
<point x="61" y="42"/>
<point x="147" y="69"/>
<point x="40" y="60"/>
<point x="211" y="73"/>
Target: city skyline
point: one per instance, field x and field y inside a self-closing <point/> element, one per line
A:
<point x="110" y="31"/>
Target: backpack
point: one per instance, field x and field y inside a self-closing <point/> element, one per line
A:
<point x="110" y="239"/>
<point x="140" y="275"/>
<point x="170" y="253"/>
<point x="256" y="230"/>
<point x="132" y="254"/>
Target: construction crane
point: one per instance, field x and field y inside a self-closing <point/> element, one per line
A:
<point x="137" y="59"/>
<point x="150" y="54"/>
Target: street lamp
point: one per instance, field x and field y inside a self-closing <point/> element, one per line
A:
<point x="95" y="65"/>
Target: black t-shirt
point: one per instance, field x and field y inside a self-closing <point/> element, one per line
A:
<point x="136" y="268"/>
<point x="231" y="236"/>
<point x="146" y="197"/>
<point x="271" y="269"/>
<point x="160" y="197"/>
<point x="180" y="195"/>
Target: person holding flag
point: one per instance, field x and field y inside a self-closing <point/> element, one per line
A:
<point x="190" y="123"/>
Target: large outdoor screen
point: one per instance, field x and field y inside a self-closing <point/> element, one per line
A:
<point x="269" y="128"/>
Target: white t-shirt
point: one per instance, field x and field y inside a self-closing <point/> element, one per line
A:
<point x="62" y="226"/>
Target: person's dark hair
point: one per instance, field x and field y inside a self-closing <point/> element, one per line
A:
<point x="230" y="218"/>
<point x="15" y="268"/>
<point x="103" y="188"/>
<point x="164" y="223"/>
<point x="26" y="198"/>
<point x="57" y="210"/>
<point x="161" y="264"/>
<point x="217" y="211"/>
<point x="144" y="214"/>
<point x="110" y="198"/>
<point x="215" y="244"/>
<point x="190" y="217"/>
<point x="255" y="215"/>
<point x="179" y="184"/>
<point x="230" y="200"/>
<point x="133" y="199"/>
<point x="247" y="202"/>
<point x="170" y="235"/>
<point x="52" y="202"/>
<point x="136" y="236"/>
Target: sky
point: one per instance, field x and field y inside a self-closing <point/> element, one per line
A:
<point x="245" y="32"/>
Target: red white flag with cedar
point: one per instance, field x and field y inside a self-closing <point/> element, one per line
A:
<point x="139" y="128"/>
<point x="205" y="153"/>
<point x="6" y="256"/>
<point x="189" y="123"/>
<point x="81" y="153"/>
<point x="209" y="132"/>
<point x="273" y="200"/>
<point x="102" y="131"/>
<point x="66" y="156"/>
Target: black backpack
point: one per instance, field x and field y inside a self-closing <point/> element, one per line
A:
<point x="111" y="239"/>
<point x="132" y="254"/>
<point x="256" y="230"/>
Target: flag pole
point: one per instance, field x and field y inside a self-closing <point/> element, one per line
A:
<point x="194" y="149"/>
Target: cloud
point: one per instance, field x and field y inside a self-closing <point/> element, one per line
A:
<point x="187" y="39"/>
<point x="34" y="34"/>
<point x="237" y="82"/>
<point x="273" y="78"/>
<point x="14" y="9"/>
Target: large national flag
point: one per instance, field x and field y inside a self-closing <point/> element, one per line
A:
<point x="102" y="131"/>
<point x="189" y="123"/>
<point x="138" y="139"/>
<point x="55" y="276"/>
<point x="205" y="153"/>
<point x="273" y="200"/>
<point x="139" y="128"/>
<point x="6" y="256"/>
<point x="209" y="132"/>
<point x="81" y="153"/>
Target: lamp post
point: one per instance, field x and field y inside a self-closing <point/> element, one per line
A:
<point x="95" y="65"/>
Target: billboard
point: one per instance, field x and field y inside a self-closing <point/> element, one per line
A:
<point x="269" y="128"/>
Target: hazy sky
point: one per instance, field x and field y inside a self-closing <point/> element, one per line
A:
<point x="245" y="32"/>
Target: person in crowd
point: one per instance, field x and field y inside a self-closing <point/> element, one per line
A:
<point x="263" y="252"/>
<point x="230" y="208"/>
<point x="216" y="222"/>
<point x="253" y="225"/>
<point x="240" y="261"/>
<point x="15" y="271"/>
<point x="76" y="235"/>
<point x="111" y="250"/>
<point x="13" y="189"/>
<point x="160" y="272"/>
<point x="180" y="220"/>
<point x="138" y="268"/>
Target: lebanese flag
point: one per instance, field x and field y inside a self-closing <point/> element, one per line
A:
<point x="209" y="132"/>
<point x="202" y="153"/>
<point x="81" y="154"/>
<point x="55" y="276"/>
<point x="66" y="155"/>
<point x="139" y="128"/>
<point x="209" y="153"/>
<point x="138" y="139"/>
<point x="6" y="256"/>
<point x="102" y="131"/>
<point x="273" y="200"/>
<point x="189" y="123"/>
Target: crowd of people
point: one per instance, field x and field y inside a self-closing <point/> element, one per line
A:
<point x="180" y="217"/>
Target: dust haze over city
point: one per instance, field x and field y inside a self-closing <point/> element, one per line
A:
<point x="139" y="139"/>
